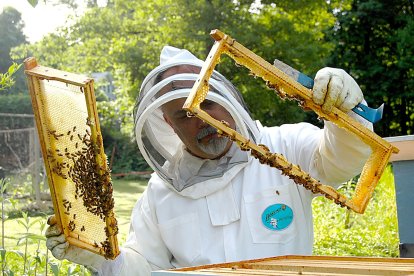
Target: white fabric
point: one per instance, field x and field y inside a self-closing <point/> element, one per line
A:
<point x="170" y="230"/>
<point x="186" y="169"/>
<point x="170" y="53"/>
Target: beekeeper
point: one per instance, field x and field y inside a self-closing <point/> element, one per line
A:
<point x="208" y="201"/>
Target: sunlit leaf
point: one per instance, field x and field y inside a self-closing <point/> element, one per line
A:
<point x="16" y="253"/>
<point x="33" y="2"/>
<point x="55" y="268"/>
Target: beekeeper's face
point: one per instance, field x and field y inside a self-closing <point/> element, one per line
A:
<point x="199" y="137"/>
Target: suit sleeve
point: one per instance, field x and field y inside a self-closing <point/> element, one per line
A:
<point x="340" y="154"/>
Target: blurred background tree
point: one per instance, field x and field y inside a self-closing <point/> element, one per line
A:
<point x="375" y="42"/>
<point x="371" y="39"/>
<point x="11" y="34"/>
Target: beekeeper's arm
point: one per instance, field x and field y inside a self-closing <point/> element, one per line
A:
<point x="340" y="153"/>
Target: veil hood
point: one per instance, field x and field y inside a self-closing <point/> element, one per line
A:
<point x="160" y="146"/>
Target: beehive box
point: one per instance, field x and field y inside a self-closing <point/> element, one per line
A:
<point x="303" y="265"/>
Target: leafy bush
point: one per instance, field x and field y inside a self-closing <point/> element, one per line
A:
<point x="15" y="104"/>
<point x="23" y="250"/>
<point x="341" y="232"/>
<point x="122" y="151"/>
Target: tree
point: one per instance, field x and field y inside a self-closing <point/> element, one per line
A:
<point x="126" y="37"/>
<point x="374" y="42"/>
<point x="11" y="34"/>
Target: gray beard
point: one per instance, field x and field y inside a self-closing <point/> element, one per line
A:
<point x="215" y="146"/>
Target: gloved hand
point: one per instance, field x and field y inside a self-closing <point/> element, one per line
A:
<point x="61" y="249"/>
<point x="335" y="87"/>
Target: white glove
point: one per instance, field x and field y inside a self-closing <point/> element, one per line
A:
<point x="335" y="87"/>
<point x="61" y="249"/>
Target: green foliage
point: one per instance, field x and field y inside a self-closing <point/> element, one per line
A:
<point x="341" y="232"/>
<point x="371" y="39"/>
<point x="26" y="251"/>
<point x="374" y="42"/>
<point x="11" y="33"/>
<point x="16" y="104"/>
<point x="122" y="152"/>
<point x="128" y="46"/>
<point x="28" y="255"/>
<point x="6" y="79"/>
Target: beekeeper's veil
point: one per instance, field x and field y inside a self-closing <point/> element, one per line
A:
<point x="158" y="143"/>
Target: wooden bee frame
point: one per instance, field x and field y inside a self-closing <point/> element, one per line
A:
<point x="286" y="87"/>
<point x="67" y="121"/>
<point x="302" y="265"/>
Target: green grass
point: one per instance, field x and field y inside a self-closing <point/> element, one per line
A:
<point x="126" y="193"/>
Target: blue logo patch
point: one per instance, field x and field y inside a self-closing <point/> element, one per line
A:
<point x="277" y="217"/>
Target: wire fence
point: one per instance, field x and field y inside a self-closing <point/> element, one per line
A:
<point x="20" y="158"/>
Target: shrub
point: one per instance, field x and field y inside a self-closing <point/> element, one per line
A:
<point x="341" y="232"/>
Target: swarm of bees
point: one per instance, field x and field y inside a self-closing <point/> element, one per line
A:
<point x="91" y="180"/>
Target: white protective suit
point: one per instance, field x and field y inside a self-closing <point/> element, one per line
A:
<point x="242" y="210"/>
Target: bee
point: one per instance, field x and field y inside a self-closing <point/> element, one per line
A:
<point x="225" y="123"/>
<point x="277" y="192"/>
<point x="71" y="226"/>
